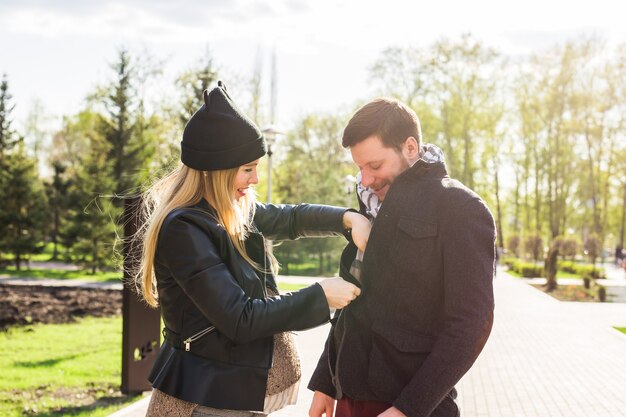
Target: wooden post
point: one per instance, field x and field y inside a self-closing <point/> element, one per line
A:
<point x="141" y="328"/>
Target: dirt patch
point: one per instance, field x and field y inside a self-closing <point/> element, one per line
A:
<point x="571" y="293"/>
<point x="26" y="304"/>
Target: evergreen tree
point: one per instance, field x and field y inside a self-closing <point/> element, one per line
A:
<point x="91" y="232"/>
<point x="23" y="211"/>
<point x="126" y="129"/>
<point x="57" y="193"/>
<point x="192" y="83"/>
<point x="8" y="137"/>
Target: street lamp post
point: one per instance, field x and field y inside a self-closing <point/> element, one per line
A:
<point x="270" y="133"/>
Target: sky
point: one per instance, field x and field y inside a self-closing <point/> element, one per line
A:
<point x="56" y="52"/>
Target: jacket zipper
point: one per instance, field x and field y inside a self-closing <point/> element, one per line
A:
<point x="197" y="336"/>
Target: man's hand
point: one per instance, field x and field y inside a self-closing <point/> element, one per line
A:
<point x="392" y="412"/>
<point x="322" y="404"/>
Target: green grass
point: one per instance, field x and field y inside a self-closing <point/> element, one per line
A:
<point x="44" y="256"/>
<point x="308" y="268"/>
<point x="61" y="274"/>
<point x="559" y="274"/>
<point x="621" y="329"/>
<point x="62" y="369"/>
<point x="563" y="274"/>
<point x="283" y="286"/>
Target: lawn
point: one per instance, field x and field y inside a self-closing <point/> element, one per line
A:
<point x="10" y="271"/>
<point x="66" y="369"/>
<point x="62" y="369"/>
<point x="559" y="274"/>
<point x="284" y="286"/>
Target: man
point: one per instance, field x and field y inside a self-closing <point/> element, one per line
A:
<point x="426" y="309"/>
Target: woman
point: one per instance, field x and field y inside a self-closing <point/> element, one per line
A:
<point x="226" y="350"/>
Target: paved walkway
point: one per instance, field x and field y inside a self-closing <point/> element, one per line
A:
<point x="545" y="358"/>
<point x="548" y="358"/>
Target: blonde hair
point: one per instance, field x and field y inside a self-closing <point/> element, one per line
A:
<point x="185" y="187"/>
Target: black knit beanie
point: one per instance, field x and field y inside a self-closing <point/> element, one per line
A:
<point x="219" y="135"/>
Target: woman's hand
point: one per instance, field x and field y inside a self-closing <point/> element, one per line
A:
<point x="360" y="226"/>
<point x="339" y="293"/>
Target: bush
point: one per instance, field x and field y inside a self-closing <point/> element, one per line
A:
<point x="567" y="266"/>
<point x="570" y="247"/>
<point x="526" y="269"/>
<point x="533" y="247"/>
<point x="529" y="270"/>
<point x="513" y="244"/>
<point x="586" y="270"/>
<point x="509" y="261"/>
<point x="593" y="246"/>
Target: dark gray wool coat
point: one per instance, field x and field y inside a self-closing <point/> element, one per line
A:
<point x="426" y="307"/>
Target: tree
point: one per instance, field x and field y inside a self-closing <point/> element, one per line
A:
<point x="8" y="136"/>
<point x="125" y="126"/>
<point x="551" y="265"/>
<point x="533" y="247"/>
<point x="57" y="193"/>
<point x="593" y="247"/>
<point x="91" y="232"/>
<point x="314" y="170"/>
<point x="192" y="84"/>
<point x="23" y="211"/>
<point x="513" y="244"/>
<point x="570" y="246"/>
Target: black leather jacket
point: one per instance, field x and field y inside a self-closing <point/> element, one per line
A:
<point x="219" y="325"/>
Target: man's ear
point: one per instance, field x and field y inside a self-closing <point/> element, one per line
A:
<point x="410" y="148"/>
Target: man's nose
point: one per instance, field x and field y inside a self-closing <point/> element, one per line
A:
<point x="366" y="179"/>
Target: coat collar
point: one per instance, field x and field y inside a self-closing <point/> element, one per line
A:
<point x="428" y="169"/>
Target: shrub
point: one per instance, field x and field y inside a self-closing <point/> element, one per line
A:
<point x="567" y="266"/>
<point x="533" y="246"/>
<point x="513" y="244"/>
<point x="570" y="246"/>
<point x="586" y="270"/>
<point x="509" y="261"/>
<point x="527" y="269"/>
<point x="593" y="246"/>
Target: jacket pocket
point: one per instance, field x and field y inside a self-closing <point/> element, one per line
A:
<point x="395" y="357"/>
<point x="414" y="243"/>
<point x="188" y="341"/>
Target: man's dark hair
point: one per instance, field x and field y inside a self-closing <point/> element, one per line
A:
<point x="387" y="118"/>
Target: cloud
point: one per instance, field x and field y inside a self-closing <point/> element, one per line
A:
<point x="138" y="19"/>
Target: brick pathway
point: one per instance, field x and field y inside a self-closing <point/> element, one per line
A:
<point x="545" y="358"/>
<point x="548" y="358"/>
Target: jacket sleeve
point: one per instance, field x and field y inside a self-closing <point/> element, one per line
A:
<point x="322" y="379"/>
<point x="194" y="261"/>
<point x="282" y="222"/>
<point x="468" y="248"/>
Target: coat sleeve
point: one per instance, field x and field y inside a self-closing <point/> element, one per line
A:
<point x="468" y="247"/>
<point x="194" y="261"/>
<point x="290" y="222"/>
<point x="322" y="379"/>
